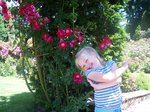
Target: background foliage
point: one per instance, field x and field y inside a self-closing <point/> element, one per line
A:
<point x="138" y="56"/>
<point x="138" y="13"/>
<point x="7" y="68"/>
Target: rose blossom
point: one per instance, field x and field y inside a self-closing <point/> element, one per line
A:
<point x="80" y="38"/>
<point x="29" y="11"/>
<point x="107" y="41"/>
<point x="36" y="25"/>
<point x="102" y="45"/>
<point x="61" y="33"/>
<point x="46" y="20"/>
<point x="47" y="38"/>
<point x="77" y="78"/>
<point x="18" y="51"/>
<point x="68" y="31"/>
<point x="4" y="52"/>
<point x="105" y="44"/>
<point x="63" y="44"/>
<point x="73" y="43"/>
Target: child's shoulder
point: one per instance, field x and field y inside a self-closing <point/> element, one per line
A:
<point x="110" y="62"/>
<point x="107" y="65"/>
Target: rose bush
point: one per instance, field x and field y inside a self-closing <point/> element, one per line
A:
<point x="51" y="32"/>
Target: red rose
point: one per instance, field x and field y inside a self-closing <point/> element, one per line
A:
<point x="61" y="33"/>
<point x="63" y="44"/>
<point x="77" y="78"/>
<point x="105" y="44"/>
<point x="47" y="38"/>
<point x="46" y="20"/>
<point x="44" y="36"/>
<point x="22" y="11"/>
<point x="6" y="16"/>
<point x="3" y="5"/>
<point x="30" y="9"/>
<point x="80" y="38"/>
<point x="73" y="43"/>
<point x="102" y="45"/>
<point x="68" y="31"/>
<point x="36" y="25"/>
<point x="107" y="41"/>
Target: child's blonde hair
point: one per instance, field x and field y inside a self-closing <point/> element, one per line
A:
<point x="86" y="51"/>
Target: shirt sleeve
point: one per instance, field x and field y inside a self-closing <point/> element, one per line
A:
<point x="104" y="69"/>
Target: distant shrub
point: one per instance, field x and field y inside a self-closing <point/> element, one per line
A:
<point x="137" y="53"/>
<point x="134" y="67"/>
<point x="145" y="34"/>
<point x="143" y="82"/>
<point x="137" y="34"/>
<point x="128" y="82"/>
<point x="7" y="67"/>
<point x="146" y="67"/>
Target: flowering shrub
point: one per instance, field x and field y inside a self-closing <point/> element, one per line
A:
<point x="4" y="52"/>
<point x="137" y="53"/>
<point x="143" y="82"/>
<point x="6" y="49"/>
<point x="51" y="32"/>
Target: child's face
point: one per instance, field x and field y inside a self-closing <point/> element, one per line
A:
<point x="88" y="62"/>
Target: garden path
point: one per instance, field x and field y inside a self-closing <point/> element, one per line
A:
<point x="143" y="106"/>
<point x="136" y="101"/>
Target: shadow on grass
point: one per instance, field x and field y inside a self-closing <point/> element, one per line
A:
<point x="23" y="102"/>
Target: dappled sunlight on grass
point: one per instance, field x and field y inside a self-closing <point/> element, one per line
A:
<point x="15" y="96"/>
<point x="11" y="86"/>
<point x="17" y="103"/>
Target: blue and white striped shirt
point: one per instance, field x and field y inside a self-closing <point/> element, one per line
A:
<point x="108" y="97"/>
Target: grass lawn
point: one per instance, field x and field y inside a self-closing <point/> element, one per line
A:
<point x="14" y="95"/>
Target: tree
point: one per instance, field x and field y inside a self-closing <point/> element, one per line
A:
<point x="145" y="21"/>
<point x="137" y="11"/>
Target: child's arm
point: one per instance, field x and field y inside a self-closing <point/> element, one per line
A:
<point x="110" y="76"/>
<point x="105" y="85"/>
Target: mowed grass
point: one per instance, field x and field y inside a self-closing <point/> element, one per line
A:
<point x="14" y="95"/>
